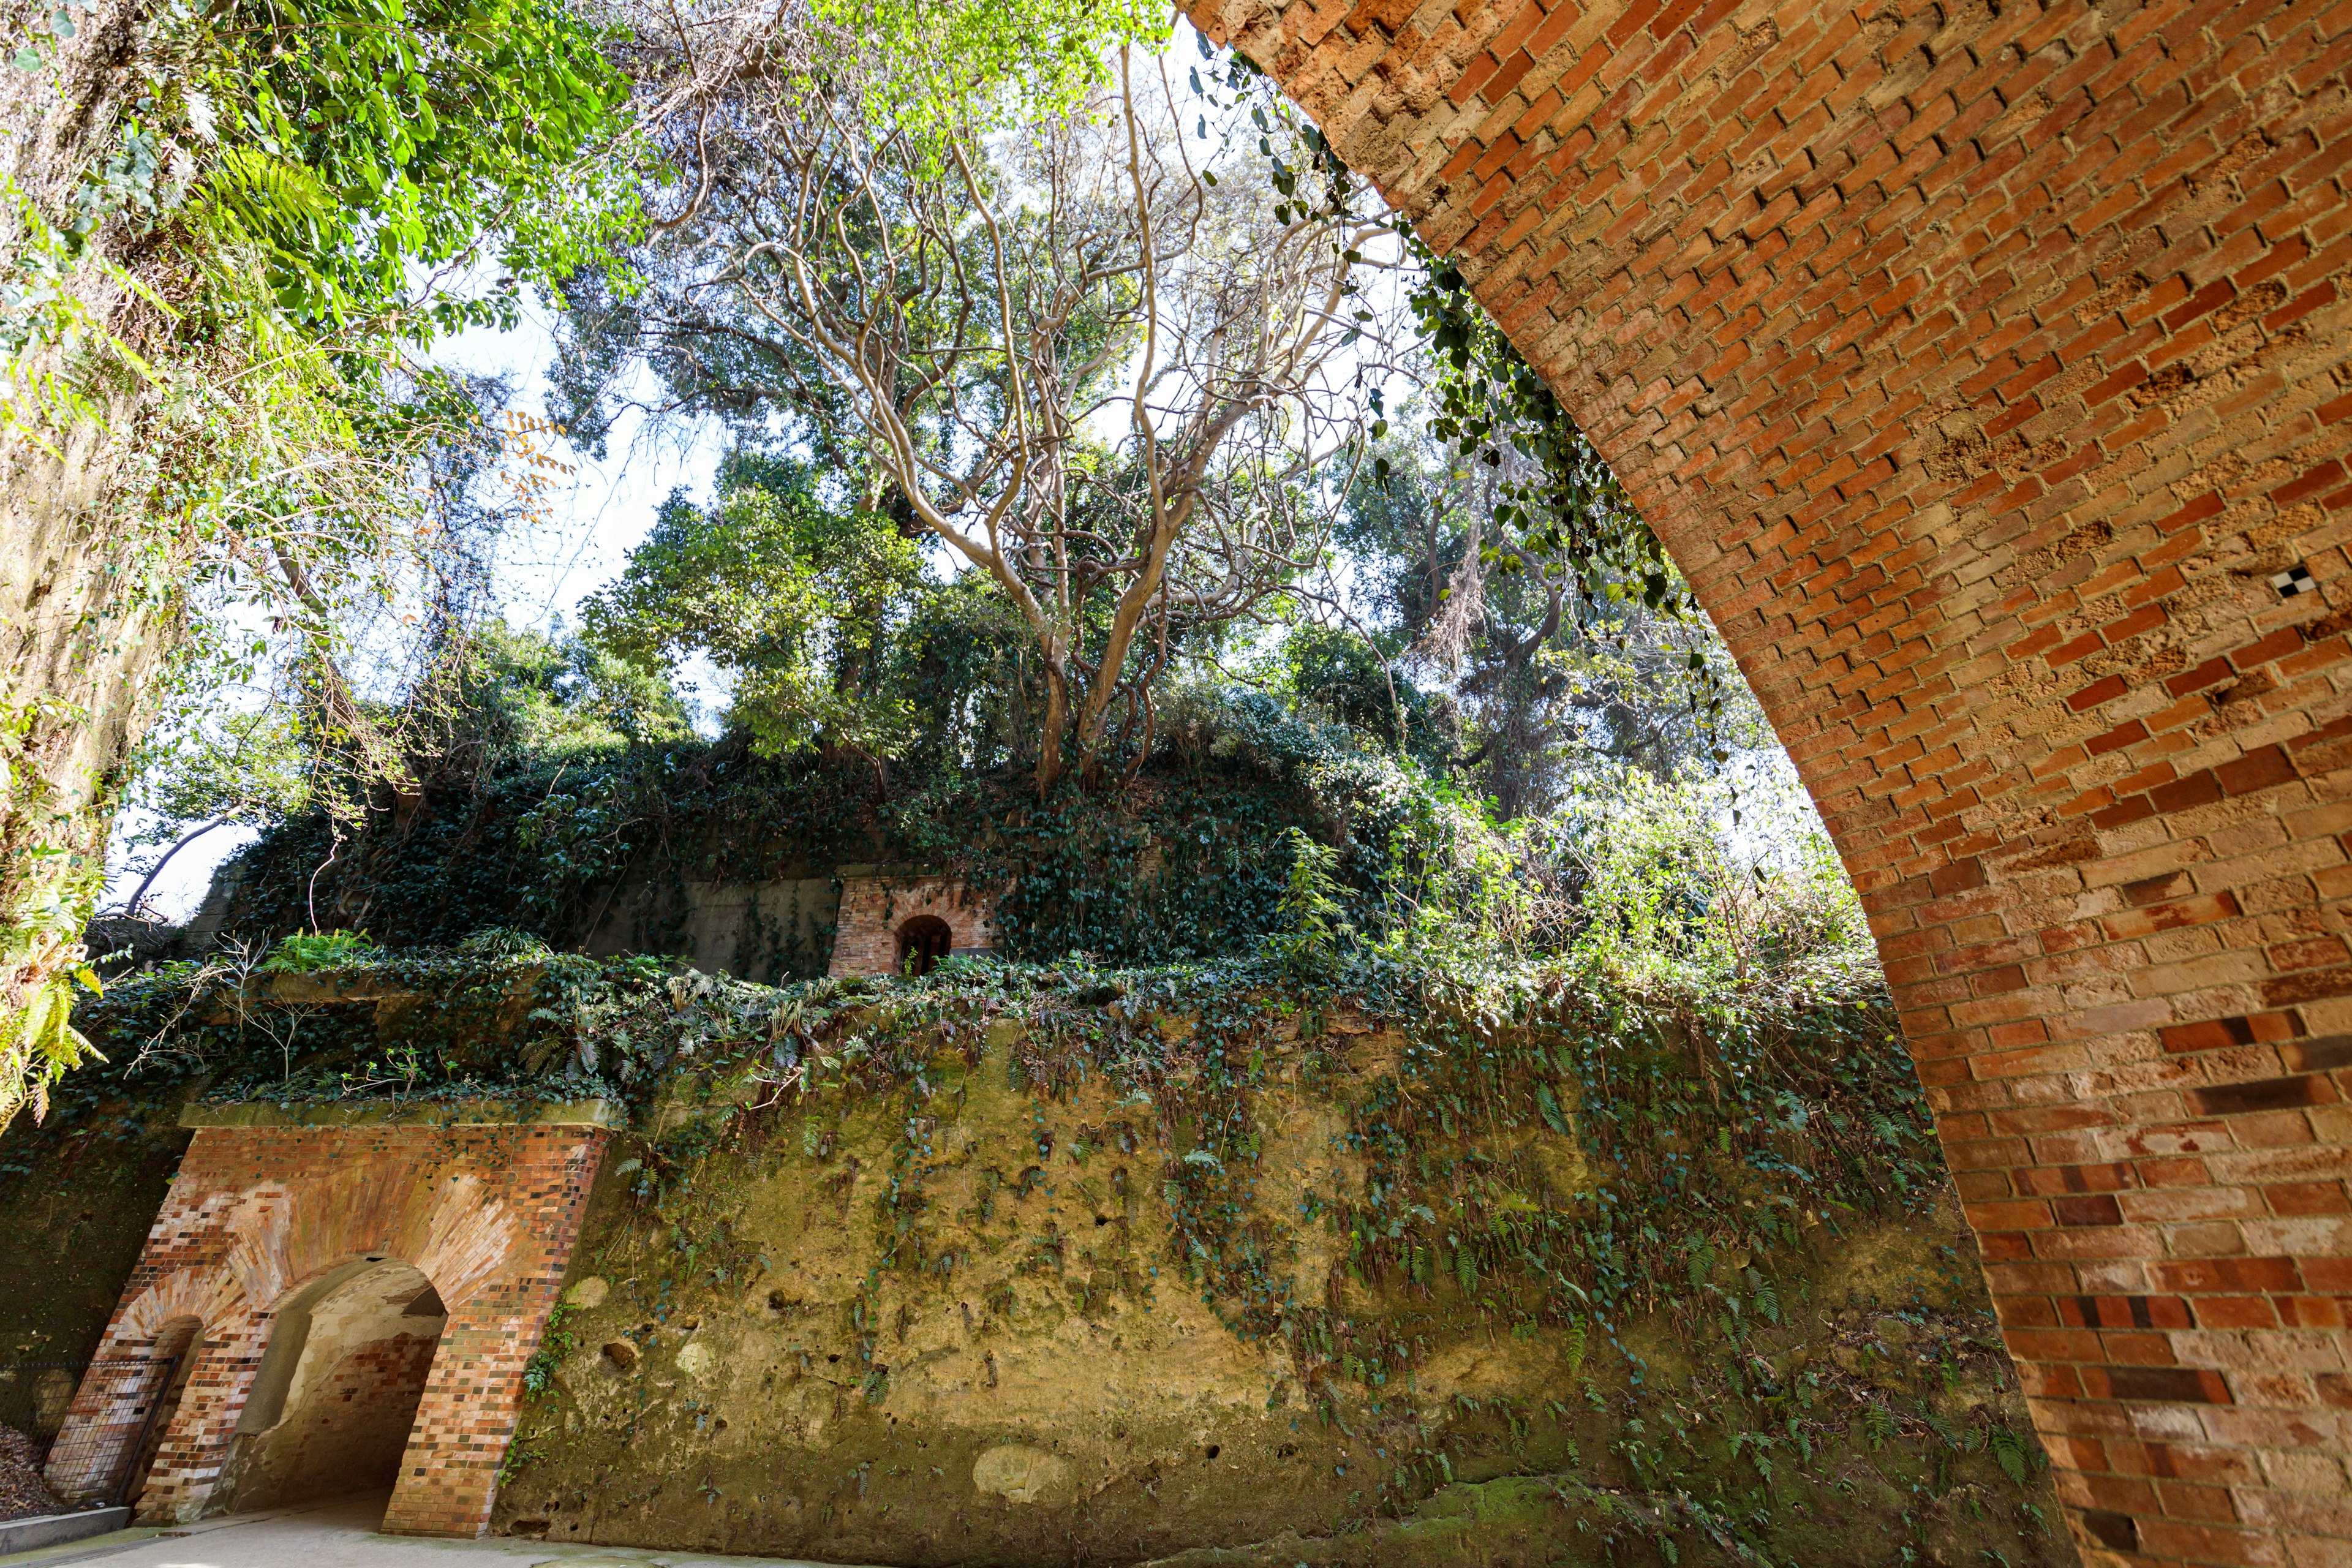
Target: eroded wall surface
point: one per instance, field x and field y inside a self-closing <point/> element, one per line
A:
<point x="957" y="1324"/>
<point x="486" y="1214"/>
<point x="1987" y="369"/>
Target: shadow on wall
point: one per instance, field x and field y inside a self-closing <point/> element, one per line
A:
<point x="772" y="932"/>
<point x="338" y="1388"/>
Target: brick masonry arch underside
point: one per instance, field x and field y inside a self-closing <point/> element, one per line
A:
<point x="1982" y="364"/>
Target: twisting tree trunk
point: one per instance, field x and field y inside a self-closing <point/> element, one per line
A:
<point x="1123" y="384"/>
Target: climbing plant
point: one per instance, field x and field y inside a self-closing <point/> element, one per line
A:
<point x="222" y="232"/>
<point x="1714" y="1175"/>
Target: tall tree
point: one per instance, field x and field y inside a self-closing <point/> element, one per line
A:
<point x="1556" y="666"/>
<point x="1109" y="365"/>
<point x="795" y="598"/>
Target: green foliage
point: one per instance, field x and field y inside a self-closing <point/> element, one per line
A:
<point x="549" y="837"/>
<point x="1545" y="681"/>
<point x="1688" y="888"/>
<point x="246" y="765"/>
<point x="954" y="67"/>
<point x="54" y="886"/>
<point x="1309" y="942"/>
<point x="504" y="942"/>
<point x="269" y="198"/>
<point x="39" y="1045"/>
<point x="363" y="140"/>
<point x="799" y="600"/>
<point x="305" y="953"/>
<point x="555" y="1342"/>
<point x="1348" y="678"/>
<point x="521" y="693"/>
<point x="1712" y="1191"/>
<point x="1571" y="516"/>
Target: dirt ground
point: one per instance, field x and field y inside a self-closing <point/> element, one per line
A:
<point x="22" y="1493"/>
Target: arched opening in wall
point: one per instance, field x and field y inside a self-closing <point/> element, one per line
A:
<point x="179" y="1343"/>
<point x="923" y="941"/>
<point x="338" y="1388"/>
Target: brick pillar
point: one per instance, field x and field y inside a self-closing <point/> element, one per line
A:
<point x="448" y="1477"/>
<point x="1988" y="368"/>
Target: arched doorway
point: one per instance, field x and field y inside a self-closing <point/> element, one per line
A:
<point x="178" y="1344"/>
<point x="338" y="1388"/>
<point x="923" y="941"/>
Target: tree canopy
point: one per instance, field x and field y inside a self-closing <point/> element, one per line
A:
<point x="1095" y="441"/>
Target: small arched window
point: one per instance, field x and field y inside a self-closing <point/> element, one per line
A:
<point x="922" y="943"/>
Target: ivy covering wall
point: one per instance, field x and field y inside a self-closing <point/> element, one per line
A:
<point x="1189" y="863"/>
<point x="1718" y="1245"/>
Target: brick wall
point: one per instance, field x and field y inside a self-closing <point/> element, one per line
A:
<point x="875" y="908"/>
<point x="1982" y="364"/>
<point x="487" y="1214"/>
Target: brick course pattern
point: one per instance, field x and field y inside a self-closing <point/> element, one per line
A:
<point x="874" y="909"/>
<point x="487" y="1214"/>
<point x="1981" y="363"/>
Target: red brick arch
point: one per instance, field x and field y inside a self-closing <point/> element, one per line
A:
<point x="262" y="1206"/>
<point x="1982" y="362"/>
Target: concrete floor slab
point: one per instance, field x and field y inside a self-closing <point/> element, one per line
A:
<point x="341" y="1533"/>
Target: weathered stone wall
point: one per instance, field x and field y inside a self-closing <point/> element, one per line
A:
<point x="957" y="1330"/>
<point x="78" y="1211"/>
<point x="1985" y="366"/>
<point x="770" y="931"/>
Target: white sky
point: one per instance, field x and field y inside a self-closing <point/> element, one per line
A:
<point x="598" y="516"/>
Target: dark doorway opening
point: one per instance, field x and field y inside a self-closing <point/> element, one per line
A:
<point x="922" y="943"/>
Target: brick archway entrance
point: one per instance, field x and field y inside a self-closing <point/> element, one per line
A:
<point x="335" y="1398"/>
<point x="388" y="1249"/>
<point x="1988" y="366"/>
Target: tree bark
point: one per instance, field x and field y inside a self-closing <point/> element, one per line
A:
<point x="90" y="580"/>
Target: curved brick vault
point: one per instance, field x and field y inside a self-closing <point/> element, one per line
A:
<point x="1981" y="363"/>
<point x="486" y="1211"/>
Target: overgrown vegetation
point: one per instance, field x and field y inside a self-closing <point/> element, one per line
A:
<point x="1123" y="514"/>
<point x="1710" y="1035"/>
<point x="225" y="234"/>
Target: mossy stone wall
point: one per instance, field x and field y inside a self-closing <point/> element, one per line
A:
<point x="953" y="1327"/>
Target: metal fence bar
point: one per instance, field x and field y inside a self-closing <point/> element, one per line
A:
<point x="86" y="1421"/>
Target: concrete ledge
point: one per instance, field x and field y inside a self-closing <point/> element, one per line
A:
<point x="598" y="1112"/>
<point x="57" y="1529"/>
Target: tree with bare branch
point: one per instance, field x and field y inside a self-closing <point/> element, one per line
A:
<point x="1120" y="365"/>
